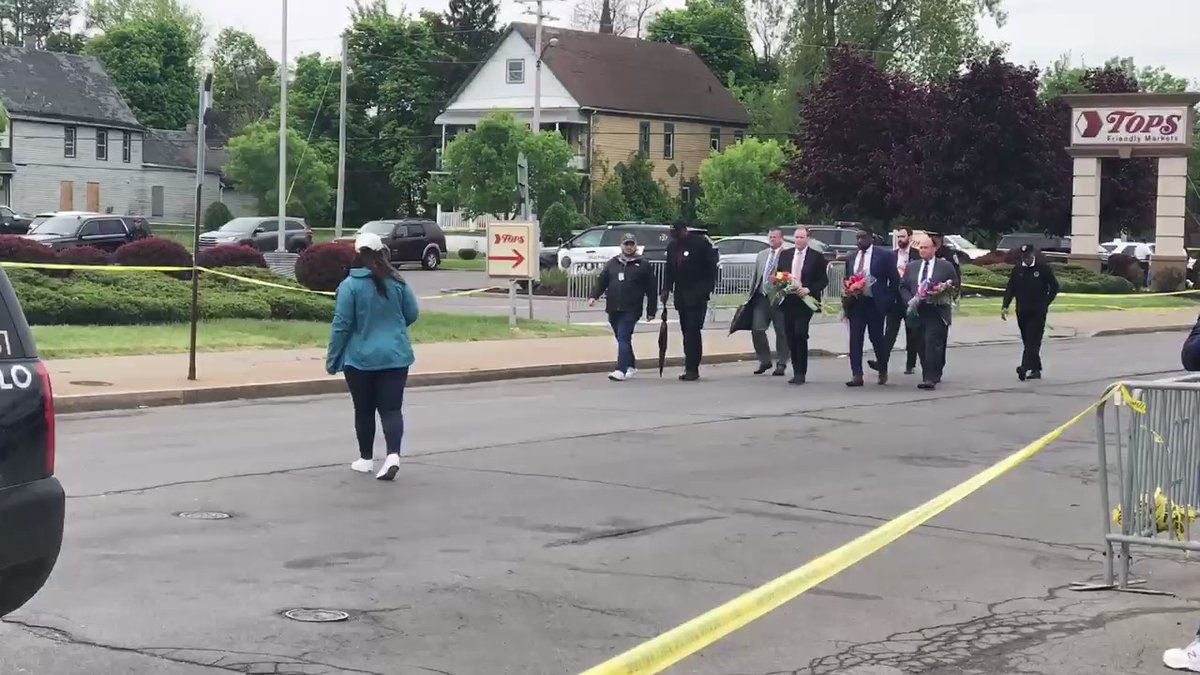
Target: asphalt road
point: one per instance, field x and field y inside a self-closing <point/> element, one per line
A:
<point x="542" y="526"/>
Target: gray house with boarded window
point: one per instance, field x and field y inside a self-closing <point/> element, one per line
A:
<point x="73" y="144"/>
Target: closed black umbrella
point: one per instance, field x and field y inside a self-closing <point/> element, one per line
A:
<point x="662" y="343"/>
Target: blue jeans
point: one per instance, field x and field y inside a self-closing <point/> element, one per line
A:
<point x="623" y="324"/>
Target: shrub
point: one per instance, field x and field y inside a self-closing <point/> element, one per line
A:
<point x="1071" y="279"/>
<point x="19" y="249"/>
<point x="553" y="282"/>
<point x="1126" y="267"/>
<point x="323" y="266"/>
<point x="468" y="253"/>
<point x="231" y="255"/>
<point x="153" y="252"/>
<point x="1167" y="281"/>
<point x="557" y="221"/>
<point x="216" y="215"/>
<point x="1009" y="257"/>
<point x="83" y="255"/>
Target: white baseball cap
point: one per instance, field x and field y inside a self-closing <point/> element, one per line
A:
<point x="369" y="240"/>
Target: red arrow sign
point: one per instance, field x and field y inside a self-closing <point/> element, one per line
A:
<point x="516" y="257"/>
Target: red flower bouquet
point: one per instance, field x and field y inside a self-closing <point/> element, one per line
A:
<point x="853" y="289"/>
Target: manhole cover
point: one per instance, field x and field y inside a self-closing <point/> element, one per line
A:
<point x="316" y="615"/>
<point x="91" y="383"/>
<point x="203" y="515"/>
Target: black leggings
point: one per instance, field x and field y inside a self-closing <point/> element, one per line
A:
<point x="379" y="391"/>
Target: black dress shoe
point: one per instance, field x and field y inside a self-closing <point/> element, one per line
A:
<point x="798" y="379"/>
<point x="1021" y="373"/>
<point x="927" y="386"/>
<point x="883" y="377"/>
<point x="855" y="382"/>
<point x="762" y="368"/>
<point x="689" y="377"/>
<point x="873" y="365"/>
<point x="780" y="371"/>
<point x="1035" y="374"/>
<point x="910" y="371"/>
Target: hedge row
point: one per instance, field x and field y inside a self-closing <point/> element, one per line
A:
<point x="130" y="298"/>
<point x="150" y="252"/>
<point x="1071" y="279"/>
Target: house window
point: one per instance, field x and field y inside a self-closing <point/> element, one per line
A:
<point x="668" y="141"/>
<point x="69" y="141"/>
<point x="102" y="145"/>
<point x="644" y="138"/>
<point x="714" y="139"/>
<point x="516" y="71"/>
<point x="738" y="136"/>
<point x="127" y="147"/>
<point x="685" y="194"/>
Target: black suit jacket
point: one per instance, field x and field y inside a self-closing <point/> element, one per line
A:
<point x="943" y="271"/>
<point x="814" y="276"/>
<point x="691" y="270"/>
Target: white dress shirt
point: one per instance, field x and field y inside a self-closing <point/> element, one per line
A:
<point x="798" y="263"/>
<point x="864" y="258"/>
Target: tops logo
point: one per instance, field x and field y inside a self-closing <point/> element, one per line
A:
<point x="509" y="238"/>
<point x="1127" y="123"/>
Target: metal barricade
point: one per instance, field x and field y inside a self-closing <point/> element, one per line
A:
<point x="1156" y="498"/>
<point x="836" y="271"/>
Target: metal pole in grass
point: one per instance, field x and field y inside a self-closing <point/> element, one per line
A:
<point x="201" y="124"/>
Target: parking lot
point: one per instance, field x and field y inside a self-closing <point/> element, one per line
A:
<point x="542" y="526"/>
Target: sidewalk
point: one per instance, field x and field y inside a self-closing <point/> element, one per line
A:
<point x="104" y="383"/>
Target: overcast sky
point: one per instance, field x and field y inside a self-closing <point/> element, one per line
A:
<point x="1154" y="33"/>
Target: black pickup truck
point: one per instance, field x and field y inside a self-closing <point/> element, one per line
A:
<point x="32" y="503"/>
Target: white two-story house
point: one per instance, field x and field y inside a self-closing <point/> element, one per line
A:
<point x="74" y="144"/>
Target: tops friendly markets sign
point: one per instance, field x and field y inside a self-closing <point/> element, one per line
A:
<point x="1130" y="126"/>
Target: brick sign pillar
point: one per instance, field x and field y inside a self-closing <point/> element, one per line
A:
<point x="1123" y="126"/>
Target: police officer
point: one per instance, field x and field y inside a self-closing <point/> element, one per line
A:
<point x="1034" y="286"/>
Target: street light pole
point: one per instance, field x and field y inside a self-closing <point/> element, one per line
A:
<point x="341" y="188"/>
<point x="283" y="129"/>
<point x="201" y="152"/>
<point x="536" y="126"/>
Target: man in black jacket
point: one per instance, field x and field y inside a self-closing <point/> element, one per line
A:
<point x="627" y="280"/>
<point x="691" y="274"/>
<point x="1034" y="286"/>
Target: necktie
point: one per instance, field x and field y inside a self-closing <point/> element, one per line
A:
<point x="862" y="261"/>
<point x="925" y="271"/>
<point x="798" y="264"/>
<point x="769" y="271"/>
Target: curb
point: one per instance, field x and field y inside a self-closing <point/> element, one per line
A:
<point x="81" y="403"/>
<point x="1142" y="330"/>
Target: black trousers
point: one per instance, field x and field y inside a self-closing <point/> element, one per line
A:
<point x="1033" y="326"/>
<point x="934" y="334"/>
<point x="866" y="320"/>
<point x="691" y="322"/>
<point x="377" y="391"/>
<point x="796" y="323"/>
<point x="912" y="338"/>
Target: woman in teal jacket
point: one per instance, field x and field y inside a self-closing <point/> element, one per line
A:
<point x="370" y="346"/>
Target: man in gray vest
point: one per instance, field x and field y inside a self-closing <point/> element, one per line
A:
<point x="765" y="312"/>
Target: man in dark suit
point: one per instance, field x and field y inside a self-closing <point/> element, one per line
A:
<point x="808" y="270"/>
<point x="905" y="253"/>
<point x="691" y="274"/>
<point x="1034" y="286"/>
<point x="866" y="312"/>
<point x="933" y="317"/>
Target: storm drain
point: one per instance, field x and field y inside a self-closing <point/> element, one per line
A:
<point x="316" y="615"/>
<point x="91" y="383"/>
<point x="203" y="515"/>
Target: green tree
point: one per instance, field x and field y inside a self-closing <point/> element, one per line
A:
<point x="107" y="14"/>
<point x="153" y="65"/>
<point x="716" y="31"/>
<point x="254" y="165"/>
<point x="739" y="190"/>
<point x="66" y="43"/>
<point x="1064" y="77"/>
<point x="245" y="80"/>
<point x="608" y="198"/>
<point x="481" y="167"/>
<point x="557" y="222"/>
<point x="37" y="19"/>
<point x="646" y="197"/>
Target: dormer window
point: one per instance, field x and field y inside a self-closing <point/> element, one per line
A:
<point x="516" y="71"/>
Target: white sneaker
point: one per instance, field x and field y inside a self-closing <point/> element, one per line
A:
<point x="617" y="376"/>
<point x="1187" y="658"/>
<point x="630" y="372"/>
<point x="363" y="465"/>
<point x="391" y="466"/>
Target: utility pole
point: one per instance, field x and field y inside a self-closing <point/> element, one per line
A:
<point x="201" y="151"/>
<point x="535" y="124"/>
<point x="283" y="129"/>
<point x="341" y="189"/>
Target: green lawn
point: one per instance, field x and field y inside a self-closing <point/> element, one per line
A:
<point x="1134" y="302"/>
<point x="454" y="263"/>
<point x="58" y="342"/>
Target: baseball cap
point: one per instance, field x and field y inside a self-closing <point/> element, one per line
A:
<point x="628" y="238"/>
<point x="1027" y="248"/>
<point x="368" y="240"/>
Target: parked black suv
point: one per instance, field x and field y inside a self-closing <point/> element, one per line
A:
<point x="70" y="228"/>
<point x="262" y="233"/>
<point x="32" y="503"/>
<point x="12" y="222"/>
<point x="410" y="240"/>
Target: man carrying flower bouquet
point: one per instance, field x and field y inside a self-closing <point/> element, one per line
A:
<point x="929" y="289"/>
<point x="872" y="282"/>
<point x="799" y="281"/>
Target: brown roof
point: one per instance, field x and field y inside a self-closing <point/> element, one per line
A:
<point x="615" y="73"/>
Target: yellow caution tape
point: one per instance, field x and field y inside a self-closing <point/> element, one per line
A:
<point x="1092" y="295"/>
<point x="269" y="284"/>
<point x="1133" y="403"/>
<point x="675" y="645"/>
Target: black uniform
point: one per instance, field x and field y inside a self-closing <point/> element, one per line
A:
<point x="691" y="275"/>
<point x="1034" y="287"/>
